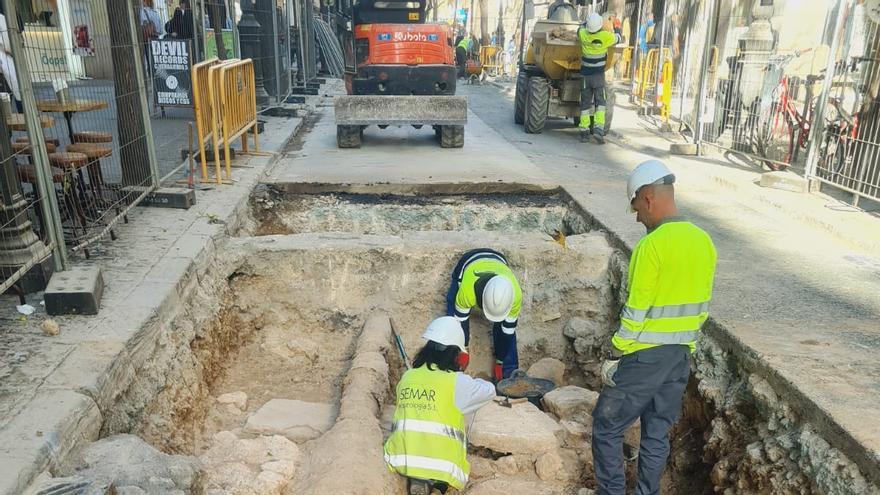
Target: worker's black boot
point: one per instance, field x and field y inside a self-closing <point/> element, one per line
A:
<point x="585" y="135"/>
<point x="599" y="135"/>
<point x="419" y="487"/>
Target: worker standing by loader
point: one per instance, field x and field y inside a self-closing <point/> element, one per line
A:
<point x="462" y="52"/>
<point x="670" y="284"/>
<point x="482" y="279"/>
<point x="595" y="42"/>
<point x="428" y="444"/>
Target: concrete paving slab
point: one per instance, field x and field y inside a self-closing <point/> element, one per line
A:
<point x="100" y="370"/>
<point x="406" y="155"/>
<point x="52" y="424"/>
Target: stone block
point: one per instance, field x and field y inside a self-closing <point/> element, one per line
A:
<point x="549" y="369"/>
<point x="76" y="291"/>
<point x="236" y="399"/>
<point x="170" y="197"/>
<point x="521" y="429"/>
<point x="260" y="465"/>
<point x="297" y="420"/>
<point x="785" y="180"/>
<point x="571" y="402"/>
<point x="127" y="460"/>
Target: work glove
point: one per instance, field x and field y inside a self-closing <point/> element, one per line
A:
<point x="463" y="360"/>
<point x="609" y="368"/>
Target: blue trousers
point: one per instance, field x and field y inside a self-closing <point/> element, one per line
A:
<point x="649" y="386"/>
<point x="503" y="345"/>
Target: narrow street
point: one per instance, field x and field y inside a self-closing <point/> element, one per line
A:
<point x="290" y="247"/>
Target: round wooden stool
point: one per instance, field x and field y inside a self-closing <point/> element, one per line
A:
<point x="24" y="139"/>
<point x="24" y="148"/>
<point x="92" y="137"/>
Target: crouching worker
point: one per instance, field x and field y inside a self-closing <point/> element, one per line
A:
<point x="428" y="443"/>
<point x="482" y="279"/>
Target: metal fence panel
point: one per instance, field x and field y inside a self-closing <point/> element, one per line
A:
<point x="86" y="72"/>
<point x="848" y="153"/>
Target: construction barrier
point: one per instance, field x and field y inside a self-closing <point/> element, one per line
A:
<point x="664" y="90"/>
<point x="647" y="77"/>
<point x="231" y="87"/>
<point x="490" y="59"/>
<point x="623" y="67"/>
<point x="203" y="108"/>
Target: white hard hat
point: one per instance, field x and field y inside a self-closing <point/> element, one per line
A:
<point x="445" y="330"/>
<point x="647" y="173"/>
<point x="497" y="298"/>
<point x="594" y="22"/>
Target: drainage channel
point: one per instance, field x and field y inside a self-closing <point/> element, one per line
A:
<point x="281" y="369"/>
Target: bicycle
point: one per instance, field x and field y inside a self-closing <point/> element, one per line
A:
<point x="782" y="121"/>
<point x="836" y="153"/>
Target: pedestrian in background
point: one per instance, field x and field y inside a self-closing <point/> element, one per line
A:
<point x="181" y="24"/>
<point x="151" y="21"/>
<point x="671" y="272"/>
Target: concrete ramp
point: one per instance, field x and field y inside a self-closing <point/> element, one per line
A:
<point x="401" y="110"/>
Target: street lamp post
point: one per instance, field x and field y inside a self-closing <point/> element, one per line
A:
<point x="19" y="246"/>
<point x="249" y="31"/>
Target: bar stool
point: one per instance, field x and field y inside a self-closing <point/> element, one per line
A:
<point x="92" y="137"/>
<point x="94" y="152"/>
<point x="52" y="141"/>
<point x="72" y="165"/>
<point x="24" y="148"/>
<point x="27" y="173"/>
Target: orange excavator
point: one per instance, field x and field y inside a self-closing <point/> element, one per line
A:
<point x="404" y="74"/>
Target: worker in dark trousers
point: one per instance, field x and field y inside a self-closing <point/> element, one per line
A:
<point x="462" y="50"/>
<point x="482" y="279"/>
<point x="670" y="284"/>
<point x="595" y="42"/>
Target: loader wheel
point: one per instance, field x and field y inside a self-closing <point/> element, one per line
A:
<point x="537" y="105"/>
<point x="348" y="136"/>
<point x="451" y="136"/>
<point x="519" y="100"/>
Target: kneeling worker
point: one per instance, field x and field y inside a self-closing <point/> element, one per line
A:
<point x="483" y="279"/>
<point x="428" y="444"/>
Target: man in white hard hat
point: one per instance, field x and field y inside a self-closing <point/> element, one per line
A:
<point x="483" y="279"/>
<point x="595" y="42"/>
<point x="645" y="374"/>
<point x="428" y="444"/>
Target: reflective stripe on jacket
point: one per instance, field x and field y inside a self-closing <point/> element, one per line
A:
<point x="670" y="285"/>
<point x="474" y="277"/>
<point x="428" y="440"/>
<point x="594" y="49"/>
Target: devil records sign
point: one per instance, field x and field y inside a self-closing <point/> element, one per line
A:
<point x="171" y="64"/>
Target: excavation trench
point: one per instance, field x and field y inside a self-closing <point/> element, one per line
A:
<point x="279" y="377"/>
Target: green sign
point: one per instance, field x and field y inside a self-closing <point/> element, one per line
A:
<point x="211" y="44"/>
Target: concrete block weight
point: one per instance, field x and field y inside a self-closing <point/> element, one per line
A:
<point x="76" y="291"/>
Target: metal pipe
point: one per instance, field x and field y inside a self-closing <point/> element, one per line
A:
<point x="711" y="27"/>
<point x="275" y="52"/>
<point x="816" y="126"/>
<point x="637" y="59"/>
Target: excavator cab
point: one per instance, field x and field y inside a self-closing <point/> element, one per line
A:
<point x="397" y="53"/>
<point x="402" y="73"/>
<point x="390" y="12"/>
